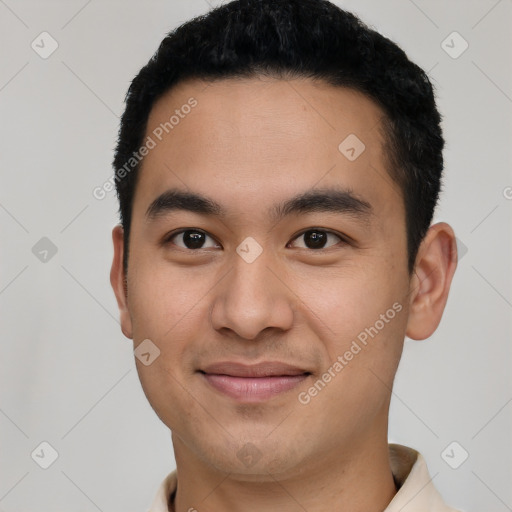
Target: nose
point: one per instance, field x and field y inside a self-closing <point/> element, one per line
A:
<point x="252" y="298"/>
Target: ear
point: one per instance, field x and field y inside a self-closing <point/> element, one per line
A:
<point x="118" y="281"/>
<point x="433" y="272"/>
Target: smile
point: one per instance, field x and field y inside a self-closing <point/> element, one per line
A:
<point x="254" y="383"/>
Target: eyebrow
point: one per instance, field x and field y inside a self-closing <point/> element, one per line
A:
<point x="328" y="200"/>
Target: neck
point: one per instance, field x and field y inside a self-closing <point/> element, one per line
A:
<point x="359" y="480"/>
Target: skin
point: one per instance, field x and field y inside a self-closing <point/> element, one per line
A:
<point x="249" y="145"/>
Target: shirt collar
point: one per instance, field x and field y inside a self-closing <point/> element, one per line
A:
<point x="416" y="492"/>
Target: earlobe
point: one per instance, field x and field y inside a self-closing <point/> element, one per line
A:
<point x="434" y="269"/>
<point x="118" y="280"/>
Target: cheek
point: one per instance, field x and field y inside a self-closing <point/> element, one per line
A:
<point x="169" y="307"/>
<point x="166" y="391"/>
<point x="357" y="376"/>
<point x="359" y="319"/>
<point x="342" y="305"/>
<point x="162" y="300"/>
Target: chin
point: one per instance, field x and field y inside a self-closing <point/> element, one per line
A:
<point x="253" y="459"/>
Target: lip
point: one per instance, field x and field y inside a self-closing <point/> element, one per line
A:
<point x="253" y="383"/>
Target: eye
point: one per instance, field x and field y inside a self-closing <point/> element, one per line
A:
<point x="317" y="239"/>
<point x="192" y="239"/>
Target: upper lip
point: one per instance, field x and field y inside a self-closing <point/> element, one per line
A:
<point x="263" y="369"/>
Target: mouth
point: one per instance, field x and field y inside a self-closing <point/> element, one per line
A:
<point x="253" y="383"/>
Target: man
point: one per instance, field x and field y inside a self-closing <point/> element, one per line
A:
<point x="278" y="167"/>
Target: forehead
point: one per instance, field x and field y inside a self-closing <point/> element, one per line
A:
<point x="246" y="139"/>
<point x="276" y="113"/>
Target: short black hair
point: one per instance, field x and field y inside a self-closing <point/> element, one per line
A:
<point x="298" y="39"/>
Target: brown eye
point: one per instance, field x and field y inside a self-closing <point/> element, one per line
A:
<point x="193" y="239"/>
<point x="317" y="239"/>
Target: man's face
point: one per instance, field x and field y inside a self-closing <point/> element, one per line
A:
<point x="243" y="335"/>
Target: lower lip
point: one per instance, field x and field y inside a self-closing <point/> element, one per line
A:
<point x="253" y="389"/>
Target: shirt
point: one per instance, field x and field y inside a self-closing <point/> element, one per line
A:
<point x="416" y="492"/>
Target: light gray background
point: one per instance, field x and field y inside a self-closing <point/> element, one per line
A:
<point x="68" y="375"/>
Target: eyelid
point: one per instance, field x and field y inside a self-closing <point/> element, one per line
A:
<point x="345" y="239"/>
<point x="167" y="238"/>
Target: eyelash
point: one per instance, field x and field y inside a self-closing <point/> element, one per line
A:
<point x="343" y="240"/>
